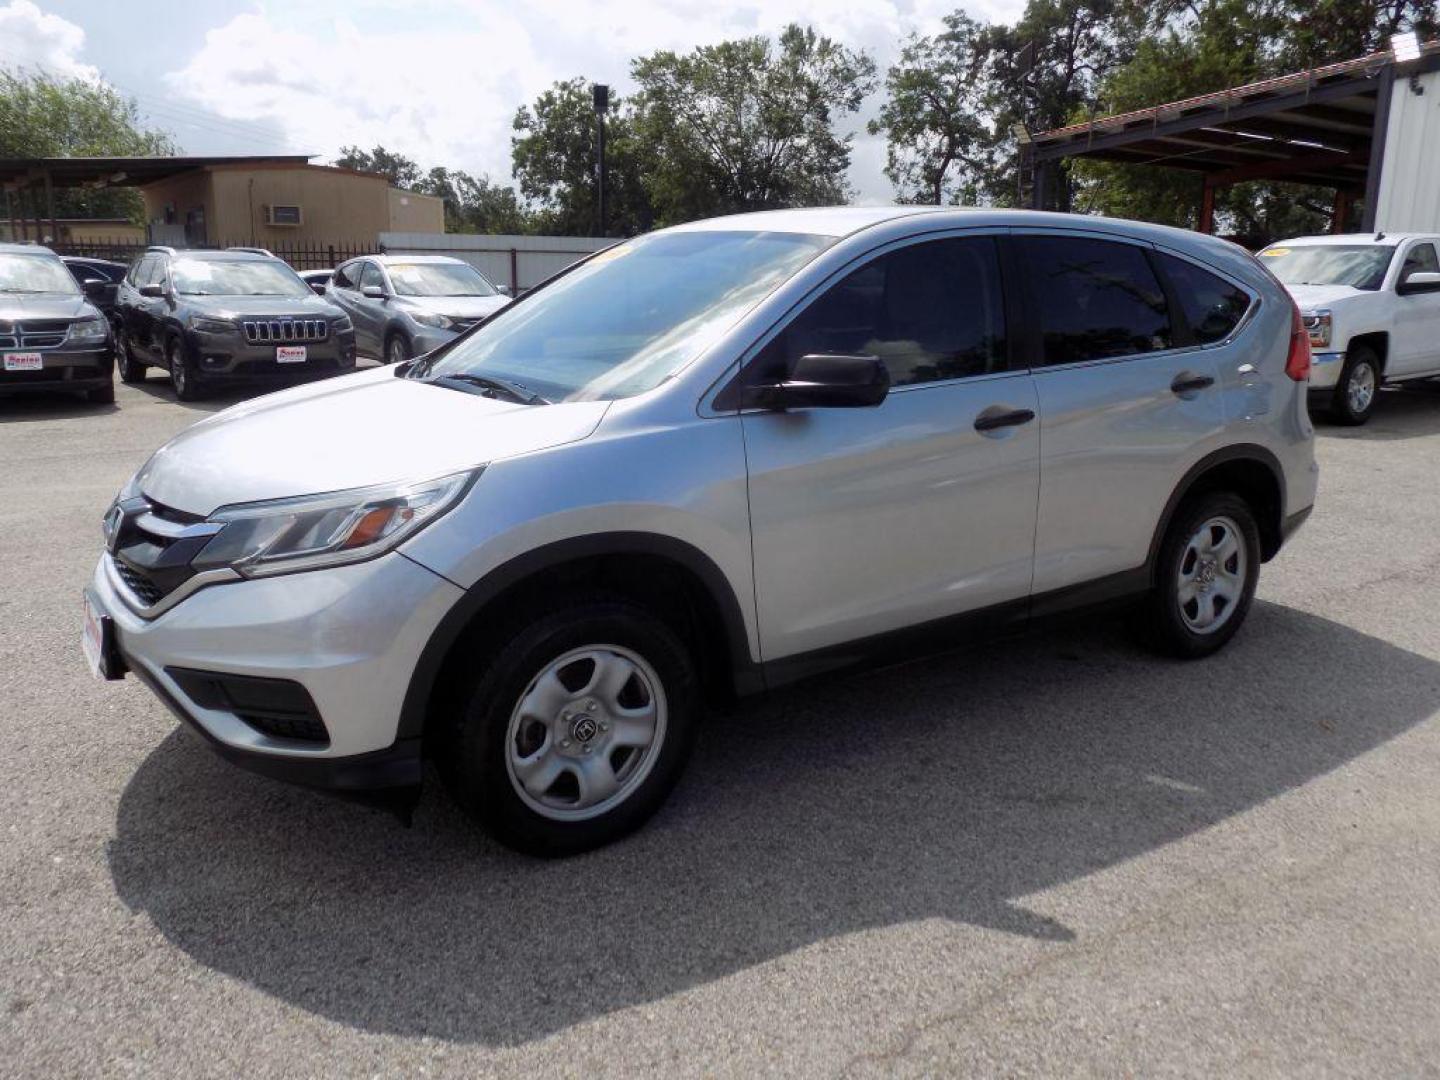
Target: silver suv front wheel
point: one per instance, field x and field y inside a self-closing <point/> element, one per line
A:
<point x="575" y="727"/>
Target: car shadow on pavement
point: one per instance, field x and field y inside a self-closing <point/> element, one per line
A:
<point x="20" y="408"/>
<point x="1411" y="411"/>
<point x="948" y="788"/>
<point x="212" y="401"/>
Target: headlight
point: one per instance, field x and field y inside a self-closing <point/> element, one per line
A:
<point x="314" y="531"/>
<point x="1318" y="324"/>
<point x="211" y="326"/>
<point x="87" y="332"/>
<point x="342" y="325"/>
<point x="426" y="318"/>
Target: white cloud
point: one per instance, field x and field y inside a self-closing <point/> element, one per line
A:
<point x="440" y="81"/>
<point x="31" y="38"/>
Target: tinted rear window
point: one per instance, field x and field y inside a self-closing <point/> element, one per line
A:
<point x="1094" y="298"/>
<point x="1212" y="306"/>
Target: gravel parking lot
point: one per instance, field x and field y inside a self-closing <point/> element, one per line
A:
<point x="1056" y="856"/>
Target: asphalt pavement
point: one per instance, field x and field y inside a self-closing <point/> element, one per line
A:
<point x="1054" y="857"/>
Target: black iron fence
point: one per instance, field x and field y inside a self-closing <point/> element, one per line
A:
<point x="315" y="256"/>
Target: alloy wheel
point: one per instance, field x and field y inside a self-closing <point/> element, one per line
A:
<point x="586" y="732"/>
<point x="1360" y="390"/>
<point x="1212" y="575"/>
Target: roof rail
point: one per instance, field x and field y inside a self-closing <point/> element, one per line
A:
<point x="162" y="248"/>
<point x="252" y="250"/>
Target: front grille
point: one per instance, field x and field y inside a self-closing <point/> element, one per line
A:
<point x="153" y="557"/>
<point x="285" y="331"/>
<point x="280" y="708"/>
<point x="145" y="590"/>
<point x="33" y="333"/>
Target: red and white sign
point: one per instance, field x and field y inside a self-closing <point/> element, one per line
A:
<point x="24" y="361"/>
<point x="290" y="354"/>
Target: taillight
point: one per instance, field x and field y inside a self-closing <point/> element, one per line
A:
<point x="1297" y="364"/>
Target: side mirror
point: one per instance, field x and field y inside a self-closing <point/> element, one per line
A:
<point x="96" y="291"/>
<point x="504" y="290"/>
<point x="318" y="288"/>
<point x="153" y="290"/>
<point x="824" y="381"/>
<point x="1422" y="281"/>
<point x="373" y="292"/>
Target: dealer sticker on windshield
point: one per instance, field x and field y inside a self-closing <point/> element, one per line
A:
<point x="290" y="354"/>
<point x="24" y="361"/>
<point x="1274" y="253"/>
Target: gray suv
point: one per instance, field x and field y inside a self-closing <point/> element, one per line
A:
<point x="52" y="335"/>
<point x="406" y="305"/>
<point x="710" y="461"/>
<point x="225" y="317"/>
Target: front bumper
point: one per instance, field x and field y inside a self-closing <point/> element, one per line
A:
<point x="350" y="635"/>
<point x="62" y="369"/>
<point x="228" y="357"/>
<point x="1325" y="370"/>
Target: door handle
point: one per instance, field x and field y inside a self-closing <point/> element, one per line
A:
<point x="997" y="416"/>
<point x="1185" y="382"/>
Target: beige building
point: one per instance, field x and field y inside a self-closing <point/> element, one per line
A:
<point x="282" y="204"/>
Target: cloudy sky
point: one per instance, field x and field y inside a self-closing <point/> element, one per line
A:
<point x="438" y="80"/>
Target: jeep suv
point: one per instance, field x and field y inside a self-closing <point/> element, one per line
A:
<point x="51" y="336"/>
<point x="707" y="461"/>
<point x="1371" y="305"/>
<point x="236" y="316"/>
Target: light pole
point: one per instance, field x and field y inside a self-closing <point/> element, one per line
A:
<point x="601" y="95"/>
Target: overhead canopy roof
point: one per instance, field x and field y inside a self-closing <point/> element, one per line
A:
<point x="1316" y="127"/>
<point x="97" y="172"/>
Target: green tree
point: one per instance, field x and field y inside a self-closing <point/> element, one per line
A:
<point x="934" y="117"/>
<point x="474" y="204"/>
<point x="45" y="116"/>
<point x="397" y="168"/>
<point x="747" y="124"/>
<point x="554" y="159"/>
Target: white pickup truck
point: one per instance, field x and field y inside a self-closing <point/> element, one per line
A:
<point x="1372" y="307"/>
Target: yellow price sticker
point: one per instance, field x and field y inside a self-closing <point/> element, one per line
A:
<point x="1274" y="253"/>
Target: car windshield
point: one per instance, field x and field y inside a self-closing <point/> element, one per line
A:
<point x="630" y="317"/>
<point x="20" y="273"/>
<point x="438" y="279"/>
<point x="235" y="277"/>
<point x="1360" y="267"/>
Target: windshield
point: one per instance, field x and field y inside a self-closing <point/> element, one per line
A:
<point x="631" y="316"/>
<point x="1330" y="264"/>
<point x="438" y="279"/>
<point x="235" y="277"/>
<point x="35" y="274"/>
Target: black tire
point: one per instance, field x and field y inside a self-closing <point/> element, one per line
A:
<point x="397" y="348"/>
<point x="1362" y="368"/>
<point x="182" y="373"/>
<point x="131" y="370"/>
<point x="1167" y="623"/>
<point x="101" y="395"/>
<point x="474" y="747"/>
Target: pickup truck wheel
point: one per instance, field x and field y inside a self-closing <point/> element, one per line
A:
<point x="1359" y="386"/>
<point x="182" y="375"/>
<point x="1205" y="577"/>
<point x="576" y="729"/>
<point x="131" y="370"/>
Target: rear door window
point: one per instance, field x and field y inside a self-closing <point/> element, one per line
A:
<point x="1213" y="307"/>
<point x="344" y="276"/>
<point x="1094" y="299"/>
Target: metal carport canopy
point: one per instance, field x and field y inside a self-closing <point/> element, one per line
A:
<point x="98" y="172"/>
<point x="1325" y="126"/>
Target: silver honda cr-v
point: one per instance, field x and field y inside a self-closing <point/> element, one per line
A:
<point x="709" y="461"/>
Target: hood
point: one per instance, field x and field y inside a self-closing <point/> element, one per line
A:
<point x="232" y="307"/>
<point x="1313" y="296"/>
<point x="43" y="306"/>
<point x="456" y="307"/>
<point x="347" y="432"/>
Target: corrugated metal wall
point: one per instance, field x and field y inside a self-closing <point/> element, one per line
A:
<point x="1409" y="198"/>
<point x="521" y="262"/>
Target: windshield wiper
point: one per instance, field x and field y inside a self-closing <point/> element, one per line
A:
<point x="489" y="386"/>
